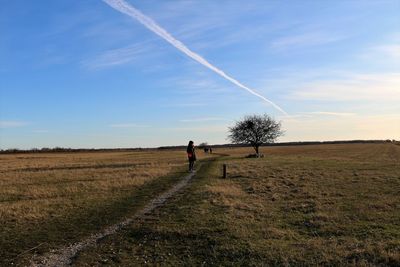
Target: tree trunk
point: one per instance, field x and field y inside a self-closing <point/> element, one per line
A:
<point x="256" y="148"/>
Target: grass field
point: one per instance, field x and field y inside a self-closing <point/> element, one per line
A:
<point x="299" y="205"/>
<point x="307" y="205"/>
<point x="49" y="200"/>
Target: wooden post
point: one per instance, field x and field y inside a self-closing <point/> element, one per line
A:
<point x="224" y="170"/>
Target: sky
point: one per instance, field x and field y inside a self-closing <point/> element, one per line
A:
<point x="82" y="74"/>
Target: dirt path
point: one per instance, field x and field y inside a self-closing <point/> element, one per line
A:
<point x="65" y="256"/>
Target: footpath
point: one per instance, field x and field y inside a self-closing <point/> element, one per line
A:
<point x="65" y="256"/>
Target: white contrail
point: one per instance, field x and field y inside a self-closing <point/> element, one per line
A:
<point x="129" y="10"/>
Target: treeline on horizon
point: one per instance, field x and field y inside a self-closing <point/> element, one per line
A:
<point x="299" y="143"/>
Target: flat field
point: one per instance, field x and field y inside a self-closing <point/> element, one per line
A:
<point x="334" y="205"/>
<point x="53" y="199"/>
<point x="299" y="205"/>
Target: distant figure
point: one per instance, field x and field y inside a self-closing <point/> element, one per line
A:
<point x="191" y="155"/>
<point x="205" y="150"/>
<point x="210" y="149"/>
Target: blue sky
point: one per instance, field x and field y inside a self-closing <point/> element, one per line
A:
<point x="82" y="74"/>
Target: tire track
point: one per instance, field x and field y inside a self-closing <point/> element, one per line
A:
<point x="65" y="256"/>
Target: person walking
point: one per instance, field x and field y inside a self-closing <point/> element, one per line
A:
<point x="191" y="155"/>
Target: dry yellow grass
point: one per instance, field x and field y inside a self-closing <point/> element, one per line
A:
<point x="335" y="204"/>
<point x="49" y="197"/>
<point x="322" y="205"/>
<point x="34" y="186"/>
<point x="299" y="205"/>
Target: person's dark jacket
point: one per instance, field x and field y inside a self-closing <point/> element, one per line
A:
<point x="191" y="153"/>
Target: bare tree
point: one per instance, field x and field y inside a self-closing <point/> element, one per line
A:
<point x="255" y="130"/>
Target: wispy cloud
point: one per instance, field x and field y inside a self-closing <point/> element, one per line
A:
<point x="12" y="124"/>
<point x="184" y="105"/>
<point x="40" y="131"/>
<point x="200" y="84"/>
<point x="329" y="113"/>
<point x="200" y="26"/>
<point x="306" y="39"/>
<point x="204" y="130"/>
<point x="127" y="9"/>
<point x="391" y="50"/>
<point x="115" y="57"/>
<point x="203" y="119"/>
<point x="127" y="125"/>
<point x="357" y="87"/>
<point x="318" y="128"/>
<point x="315" y="114"/>
<point x="387" y="50"/>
